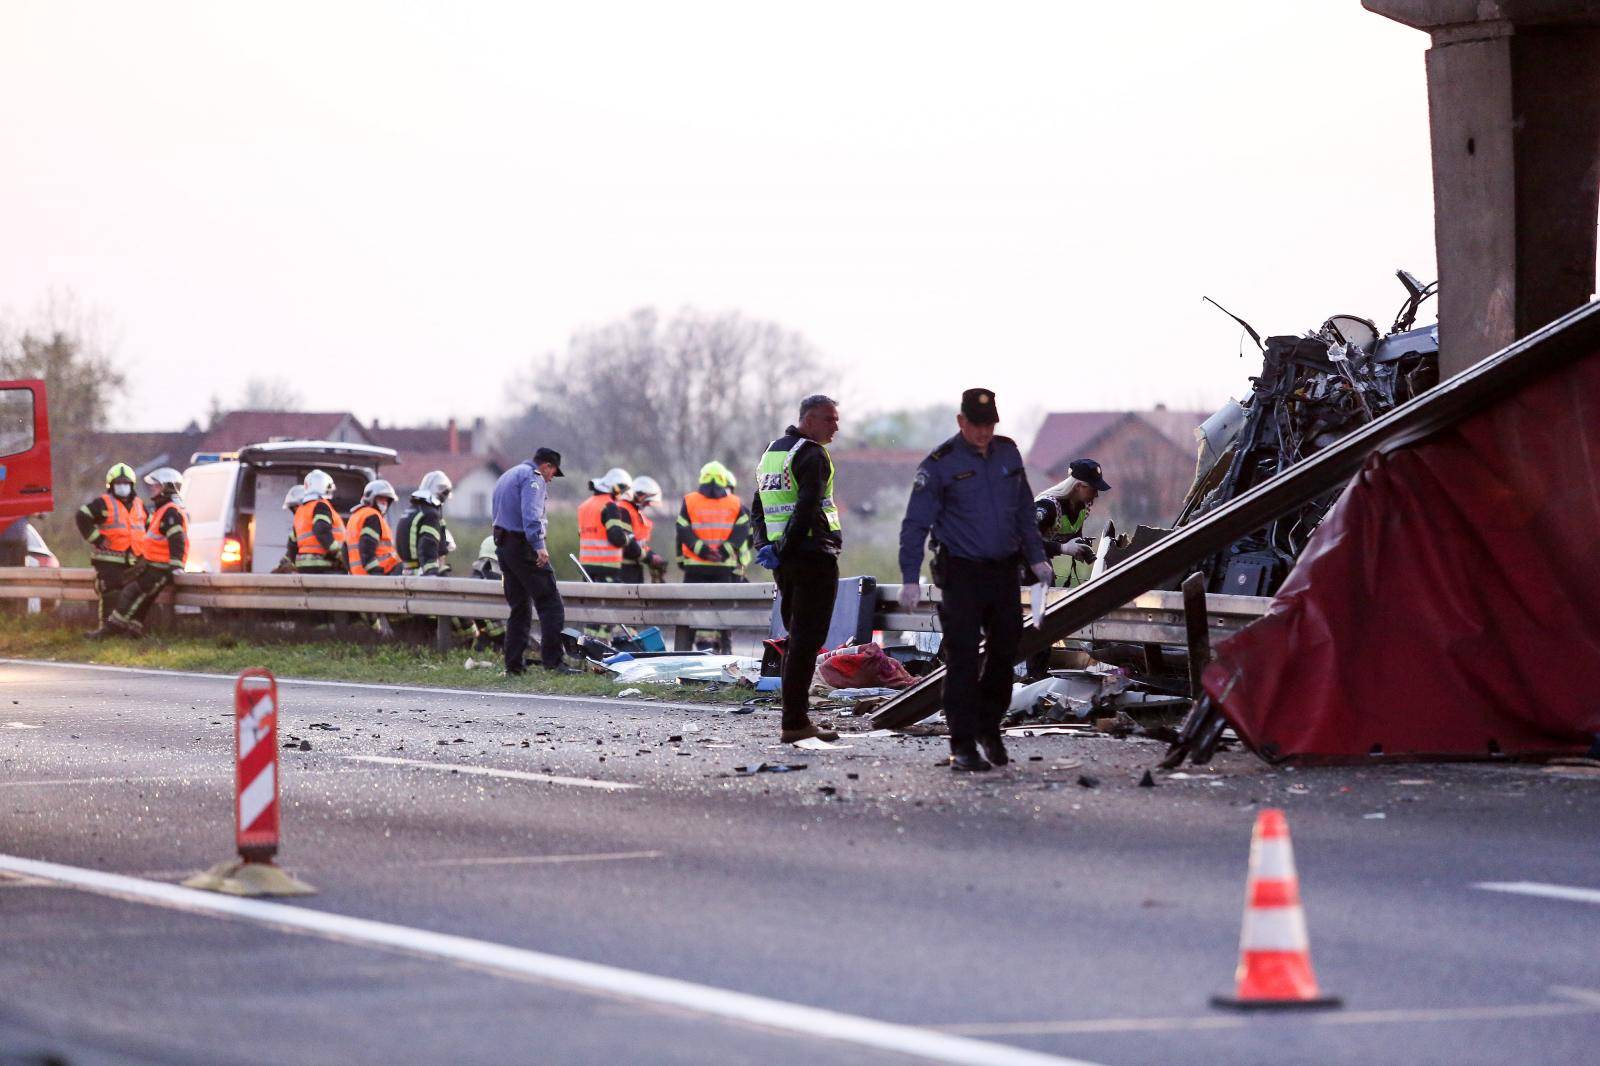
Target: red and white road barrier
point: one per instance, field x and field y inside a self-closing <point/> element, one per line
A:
<point x="255" y="701"/>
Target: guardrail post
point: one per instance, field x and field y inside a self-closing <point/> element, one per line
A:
<point x="683" y="638"/>
<point x="1197" y="628"/>
<point x="441" y="634"/>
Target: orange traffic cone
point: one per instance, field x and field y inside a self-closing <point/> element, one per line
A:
<point x="1274" y="953"/>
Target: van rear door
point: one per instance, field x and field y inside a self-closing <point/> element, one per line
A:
<point x="25" y="486"/>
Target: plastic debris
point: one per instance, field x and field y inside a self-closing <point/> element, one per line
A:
<point x="818" y="744"/>
<point x="769" y="768"/>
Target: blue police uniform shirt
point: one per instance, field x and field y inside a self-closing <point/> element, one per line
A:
<point x="979" y="507"/>
<point x="518" y="506"/>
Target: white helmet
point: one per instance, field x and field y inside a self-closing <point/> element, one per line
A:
<point x="615" y="481"/>
<point x="379" y="488"/>
<point x="165" y="480"/>
<point x="647" y="488"/>
<point x="486" y="550"/>
<point x="319" y="486"/>
<point x="435" y="488"/>
<point x="294" y="497"/>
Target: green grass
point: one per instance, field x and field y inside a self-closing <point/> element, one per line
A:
<point x="349" y="655"/>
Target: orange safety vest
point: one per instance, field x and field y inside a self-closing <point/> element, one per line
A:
<point x="642" y="526"/>
<point x="387" y="560"/>
<point x="593" y="547"/>
<point x="122" y="527"/>
<point x="712" y="520"/>
<point x="305" y="539"/>
<point x="157" y="548"/>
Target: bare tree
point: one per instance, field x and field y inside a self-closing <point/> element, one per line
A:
<point x="63" y="344"/>
<point x="270" y="394"/>
<point x="663" y="398"/>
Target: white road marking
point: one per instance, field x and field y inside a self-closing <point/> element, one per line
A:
<point x="604" y="701"/>
<point x="185" y="778"/>
<point x="489" y="771"/>
<point x="539" y="860"/>
<point x="1581" y="1001"/>
<point x="572" y="973"/>
<point x="1538" y="888"/>
<point x="22" y="725"/>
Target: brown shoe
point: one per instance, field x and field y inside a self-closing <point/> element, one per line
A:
<point x="791" y="736"/>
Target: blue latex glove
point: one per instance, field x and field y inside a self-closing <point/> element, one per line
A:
<point x="768" y="556"/>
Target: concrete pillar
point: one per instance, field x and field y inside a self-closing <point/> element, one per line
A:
<point x="1514" y="103"/>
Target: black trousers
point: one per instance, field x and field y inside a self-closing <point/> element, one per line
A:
<point x="808" y="584"/>
<point x="139" y="594"/>
<point x="528" y="587"/>
<point x="109" y="578"/>
<point x="981" y="603"/>
<point x="708" y="575"/>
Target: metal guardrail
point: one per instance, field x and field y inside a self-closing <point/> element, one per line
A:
<point x="1155" y="617"/>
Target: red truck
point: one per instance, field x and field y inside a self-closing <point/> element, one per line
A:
<point x="25" y="486"/>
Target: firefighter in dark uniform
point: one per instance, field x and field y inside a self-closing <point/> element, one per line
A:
<point x="318" y="528"/>
<point x="166" y="548"/>
<point x="972" y="494"/>
<point x="421" y="537"/>
<point x="113" y="524"/>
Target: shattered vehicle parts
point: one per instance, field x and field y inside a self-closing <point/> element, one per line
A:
<point x="1552" y="348"/>
<point x="1311" y="392"/>
<point x="1479" y="545"/>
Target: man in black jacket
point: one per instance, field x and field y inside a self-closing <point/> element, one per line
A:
<point x="794" y="524"/>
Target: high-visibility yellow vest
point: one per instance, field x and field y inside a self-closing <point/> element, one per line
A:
<point x="777" y="491"/>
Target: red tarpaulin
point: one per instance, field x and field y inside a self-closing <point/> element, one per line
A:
<point x="1449" y="605"/>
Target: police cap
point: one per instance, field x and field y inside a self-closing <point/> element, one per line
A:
<point x="978" y="406"/>
<point x="1088" y="471"/>
<point x="551" y="456"/>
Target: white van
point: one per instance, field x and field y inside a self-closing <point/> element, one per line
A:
<point x="237" y="524"/>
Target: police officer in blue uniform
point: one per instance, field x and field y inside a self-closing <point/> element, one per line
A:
<point x="972" y="494"/>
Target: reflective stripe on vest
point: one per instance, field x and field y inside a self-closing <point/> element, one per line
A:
<point x="386" y="560"/>
<point x="157" y="548"/>
<point x="122" y="526"/>
<point x="593" y="547"/>
<point x="305" y="537"/>
<point x="711" y="519"/>
<point x="776" y="489"/>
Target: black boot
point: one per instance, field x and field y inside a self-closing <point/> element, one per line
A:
<point x="965" y="757"/>
<point x="994" y="747"/>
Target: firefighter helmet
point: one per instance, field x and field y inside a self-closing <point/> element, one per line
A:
<point x="120" y="472"/>
<point x="319" y="486"/>
<point x="377" y="489"/>
<point x="645" y="492"/>
<point x="434" y="487"/>
<point x="165" y="481"/>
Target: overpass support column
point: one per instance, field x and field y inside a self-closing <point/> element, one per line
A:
<point x="1514" y="104"/>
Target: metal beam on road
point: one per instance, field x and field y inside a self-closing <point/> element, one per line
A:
<point x="1561" y="343"/>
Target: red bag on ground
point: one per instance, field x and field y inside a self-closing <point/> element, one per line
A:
<point x="861" y="666"/>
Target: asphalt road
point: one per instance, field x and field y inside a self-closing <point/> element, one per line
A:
<point x="1020" y="911"/>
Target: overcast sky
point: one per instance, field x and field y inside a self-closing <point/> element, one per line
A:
<point x="398" y="206"/>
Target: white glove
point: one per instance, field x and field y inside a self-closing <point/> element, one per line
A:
<point x="1080" y="549"/>
<point x="1043" y="573"/>
<point x="910" y="596"/>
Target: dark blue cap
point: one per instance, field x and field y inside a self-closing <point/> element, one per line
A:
<point x="551" y="456"/>
<point x="978" y="406"/>
<point x="1088" y="472"/>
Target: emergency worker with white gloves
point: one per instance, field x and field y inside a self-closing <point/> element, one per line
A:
<point x="1061" y="511"/>
<point x="972" y="494"/>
